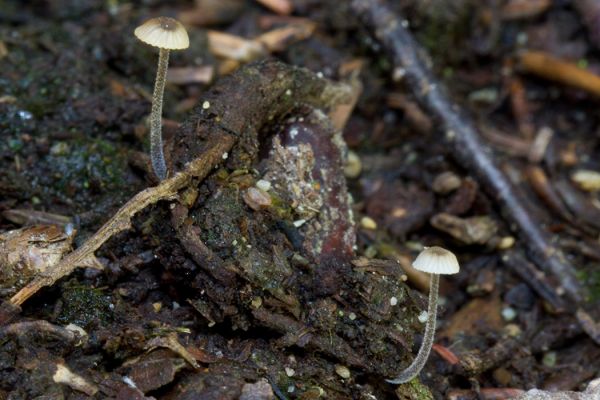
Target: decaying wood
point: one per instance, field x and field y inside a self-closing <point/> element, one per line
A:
<point x="189" y="237"/>
<point x="265" y="90"/>
<point x="476" y="362"/>
<point x="468" y="148"/>
<point x="122" y="218"/>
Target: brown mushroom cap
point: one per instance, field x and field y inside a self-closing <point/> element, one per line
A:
<point x="436" y="260"/>
<point x="164" y="33"/>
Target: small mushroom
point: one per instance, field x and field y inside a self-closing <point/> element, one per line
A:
<point x="436" y="261"/>
<point x="166" y="34"/>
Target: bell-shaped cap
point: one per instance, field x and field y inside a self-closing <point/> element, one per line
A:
<point x="163" y="32"/>
<point x="436" y="260"/>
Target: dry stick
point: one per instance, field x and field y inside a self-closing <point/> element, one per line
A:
<point x="469" y="149"/>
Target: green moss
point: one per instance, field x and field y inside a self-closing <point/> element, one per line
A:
<point x="220" y="217"/>
<point x="590" y="279"/>
<point x="83" y="305"/>
<point x="85" y="164"/>
<point x="414" y="390"/>
<point x="444" y="29"/>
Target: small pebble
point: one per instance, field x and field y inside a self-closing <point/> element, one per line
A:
<point x="587" y="179"/>
<point x="502" y="376"/>
<point x="370" y="252"/>
<point x="398" y="74"/>
<point x="506" y="243"/>
<point x="423" y="317"/>
<point x="484" y="96"/>
<point x="256" y="302"/>
<point x="263" y="185"/>
<point x="157" y="306"/>
<point x="76" y="329"/>
<point x="342" y="371"/>
<point x="206" y="105"/>
<point x="353" y="165"/>
<point x="25" y="115"/>
<point x="446" y="182"/>
<point x="60" y="149"/>
<point x="298" y="223"/>
<point x="257" y="199"/>
<point x="290" y="372"/>
<point x="393" y="301"/>
<point x="512" y="330"/>
<point x="520" y="296"/>
<point x="368" y="223"/>
<point x="351" y="316"/>
<point x="549" y="359"/>
<point x="509" y="313"/>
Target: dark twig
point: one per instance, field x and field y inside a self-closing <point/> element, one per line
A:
<point x="534" y="278"/>
<point x="476" y="362"/>
<point x="333" y="345"/>
<point x="189" y="237"/>
<point x="469" y="149"/>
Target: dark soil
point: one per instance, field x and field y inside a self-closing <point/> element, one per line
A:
<point x="306" y="292"/>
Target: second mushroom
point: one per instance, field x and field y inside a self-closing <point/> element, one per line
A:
<point x="166" y="34"/>
<point x="436" y="261"/>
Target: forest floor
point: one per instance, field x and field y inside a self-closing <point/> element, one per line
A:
<point x="314" y="149"/>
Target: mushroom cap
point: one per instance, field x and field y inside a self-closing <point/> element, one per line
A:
<point x="164" y="33"/>
<point x="436" y="260"/>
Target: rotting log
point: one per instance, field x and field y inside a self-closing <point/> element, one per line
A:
<point x="290" y="276"/>
<point x="263" y="90"/>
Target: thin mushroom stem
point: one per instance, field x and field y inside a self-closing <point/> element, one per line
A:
<point x="419" y="362"/>
<point x="156" y="144"/>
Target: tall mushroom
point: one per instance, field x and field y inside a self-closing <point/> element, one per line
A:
<point x="436" y="261"/>
<point x="166" y="34"/>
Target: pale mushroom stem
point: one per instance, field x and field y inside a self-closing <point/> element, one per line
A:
<point x="156" y="144"/>
<point x="419" y="362"/>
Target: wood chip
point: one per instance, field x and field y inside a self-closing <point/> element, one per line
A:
<point x="282" y="7"/>
<point x="233" y="47"/>
<point x="65" y="376"/>
<point x="187" y="75"/>
<point x="521" y="9"/>
<point x="280" y="38"/>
